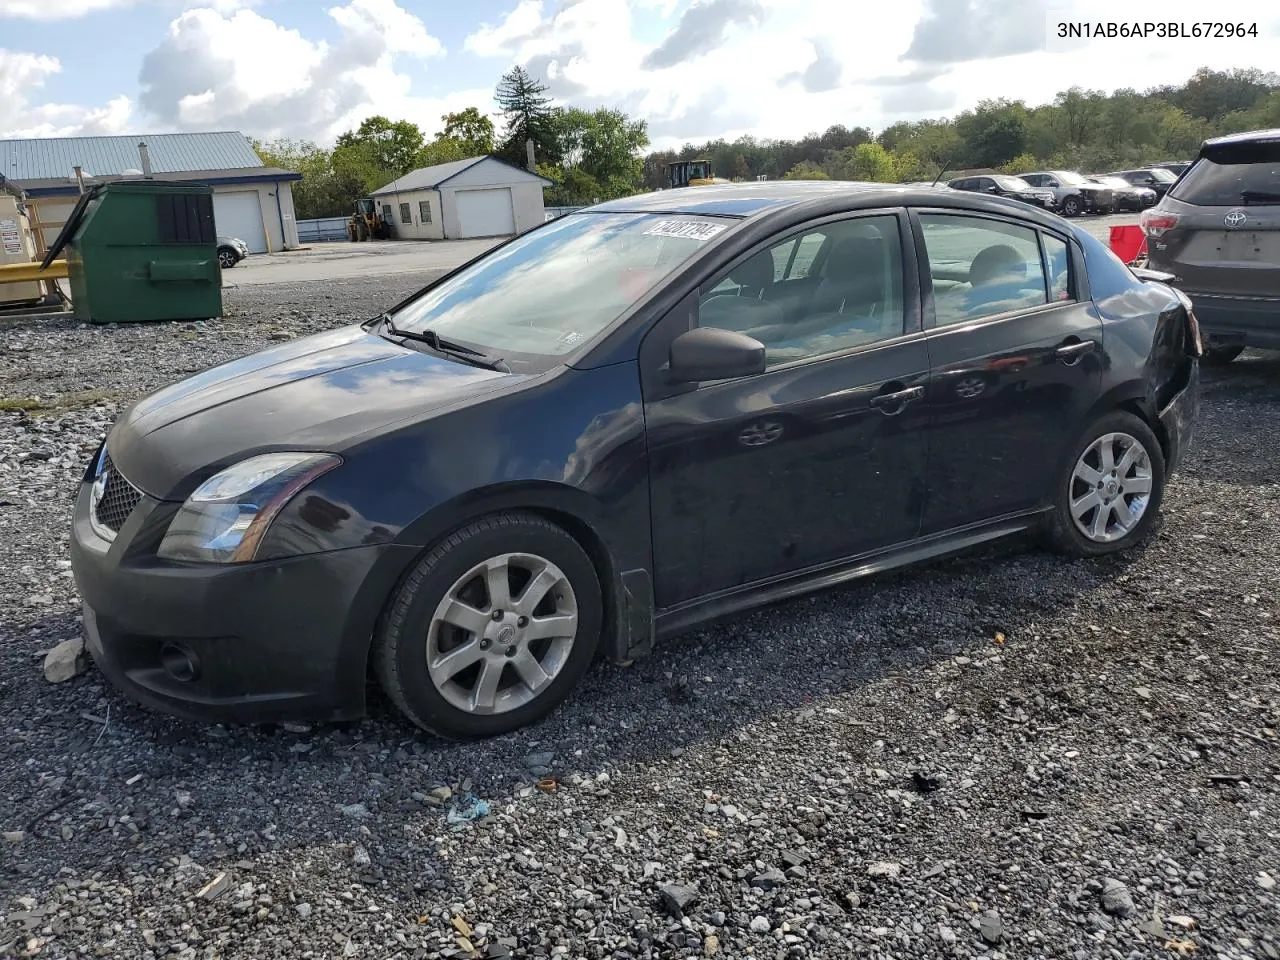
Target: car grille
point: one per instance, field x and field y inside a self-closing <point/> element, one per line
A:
<point x="118" y="498"/>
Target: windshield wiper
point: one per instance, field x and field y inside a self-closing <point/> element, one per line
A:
<point x="447" y="347"/>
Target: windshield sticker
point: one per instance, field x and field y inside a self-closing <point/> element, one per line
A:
<point x="686" y="229"/>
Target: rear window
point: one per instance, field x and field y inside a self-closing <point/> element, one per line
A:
<point x="1210" y="184"/>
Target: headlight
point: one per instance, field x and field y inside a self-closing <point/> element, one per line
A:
<point x="227" y="516"/>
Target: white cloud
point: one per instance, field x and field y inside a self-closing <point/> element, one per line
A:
<point x="496" y="41"/>
<point x="214" y="70"/>
<point x="21" y="77"/>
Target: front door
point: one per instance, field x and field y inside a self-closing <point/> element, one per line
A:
<point x="1016" y="365"/>
<point x="816" y="459"/>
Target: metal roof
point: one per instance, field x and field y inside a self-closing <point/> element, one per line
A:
<point x="428" y="178"/>
<point x="55" y="157"/>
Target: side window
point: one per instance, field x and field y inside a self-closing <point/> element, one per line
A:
<point x="386" y="213"/>
<point x="842" y="288"/>
<point x="981" y="268"/>
<point x="984" y="182"/>
<point x="1032" y="179"/>
<point x="424" y="211"/>
<point x="1057" y="256"/>
<point x="405" y="215"/>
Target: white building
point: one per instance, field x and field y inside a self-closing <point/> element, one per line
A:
<point x="251" y="202"/>
<point x="477" y="197"/>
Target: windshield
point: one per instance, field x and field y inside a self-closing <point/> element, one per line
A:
<point x="1012" y="183"/>
<point x="1071" y="179"/>
<point x="1210" y="184"/>
<point x="1163" y="175"/>
<point x="554" y="288"/>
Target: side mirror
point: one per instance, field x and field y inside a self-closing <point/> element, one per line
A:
<point x="993" y="189"/>
<point x="709" y="353"/>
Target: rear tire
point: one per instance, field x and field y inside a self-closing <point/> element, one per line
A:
<point x="1220" y="356"/>
<point x="1115" y="471"/>
<point x="461" y="656"/>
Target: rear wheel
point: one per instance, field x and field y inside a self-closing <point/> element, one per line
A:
<point x="1071" y="207"/>
<point x="1221" y="356"/>
<point x="492" y="630"/>
<point x="1111" y="492"/>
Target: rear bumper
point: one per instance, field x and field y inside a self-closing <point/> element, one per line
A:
<point x="1227" y="320"/>
<point x="1178" y="419"/>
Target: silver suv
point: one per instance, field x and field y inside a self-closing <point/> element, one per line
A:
<point x="1074" y="193"/>
<point x="1217" y="231"/>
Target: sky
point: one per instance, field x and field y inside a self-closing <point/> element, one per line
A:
<point x="693" y="69"/>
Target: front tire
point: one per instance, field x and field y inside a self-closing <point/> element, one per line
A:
<point x="1220" y="356"/>
<point x="227" y="258"/>
<point x="1111" y="488"/>
<point x="1071" y="207"/>
<point x="492" y="629"/>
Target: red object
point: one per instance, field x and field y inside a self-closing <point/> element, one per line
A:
<point x="1128" y="243"/>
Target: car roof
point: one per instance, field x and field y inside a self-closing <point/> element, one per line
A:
<point x="742" y="199"/>
<point x="1249" y="136"/>
<point x="819" y="197"/>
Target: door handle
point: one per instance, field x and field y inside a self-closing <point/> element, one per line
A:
<point x="1070" y="353"/>
<point x="891" y="404"/>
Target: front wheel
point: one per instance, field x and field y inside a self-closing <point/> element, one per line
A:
<point x="492" y="629"/>
<point x="227" y="258"/>
<point x="1071" y="207"/>
<point x="1111" y="490"/>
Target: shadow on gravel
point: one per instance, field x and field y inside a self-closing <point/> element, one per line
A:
<point x="97" y="783"/>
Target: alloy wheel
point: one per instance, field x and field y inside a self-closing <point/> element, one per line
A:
<point x="226" y="259"/>
<point x="1110" y="487"/>
<point x="502" y="633"/>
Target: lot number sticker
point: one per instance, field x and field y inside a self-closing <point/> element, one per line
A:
<point x="687" y="229"/>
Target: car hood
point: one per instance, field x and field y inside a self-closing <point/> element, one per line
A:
<point x="323" y="392"/>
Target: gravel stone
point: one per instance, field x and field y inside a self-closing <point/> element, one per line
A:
<point x="1116" y="899"/>
<point x="66" y="661"/>
<point x="677" y="899"/>
<point x="822" y="710"/>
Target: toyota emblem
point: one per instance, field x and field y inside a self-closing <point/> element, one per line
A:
<point x="1236" y="218"/>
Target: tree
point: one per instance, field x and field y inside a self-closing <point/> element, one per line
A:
<point x="994" y="133"/>
<point x="322" y="191"/>
<point x="470" y="129"/>
<point x="867" y="162"/>
<point x="386" y="145"/>
<point x="529" y="116"/>
<point x="806" y="171"/>
<point x="605" y="145"/>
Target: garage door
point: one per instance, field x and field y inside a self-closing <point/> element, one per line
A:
<point x="239" y="215"/>
<point x="485" y="213"/>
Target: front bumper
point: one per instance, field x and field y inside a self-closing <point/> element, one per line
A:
<point x="250" y="643"/>
<point x="1228" y="320"/>
<point x="1178" y="419"/>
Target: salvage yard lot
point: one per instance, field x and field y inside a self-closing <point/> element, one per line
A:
<point x="953" y="761"/>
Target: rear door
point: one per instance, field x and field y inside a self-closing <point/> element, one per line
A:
<point x="1219" y="228"/>
<point x="1016" y="362"/>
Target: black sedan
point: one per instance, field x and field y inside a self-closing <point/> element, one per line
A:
<point x="622" y="424"/>
<point x="1000" y="185"/>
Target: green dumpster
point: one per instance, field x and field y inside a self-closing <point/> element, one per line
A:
<point x="142" y="250"/>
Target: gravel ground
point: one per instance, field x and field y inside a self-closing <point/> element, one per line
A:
<point x="1005" y="755"/>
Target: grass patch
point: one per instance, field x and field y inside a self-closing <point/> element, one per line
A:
<point x="13" y="404"/>
<point x="68" y="401"/>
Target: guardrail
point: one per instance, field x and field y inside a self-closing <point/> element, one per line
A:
<point x="322" y="229"/>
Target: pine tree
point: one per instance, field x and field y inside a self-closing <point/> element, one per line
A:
<point x="529" y="116"/>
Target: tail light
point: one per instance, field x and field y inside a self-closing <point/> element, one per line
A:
<point x="1155" y="223"/>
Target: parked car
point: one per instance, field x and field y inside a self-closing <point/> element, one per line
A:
<point x="1152" y="178"/>
<point x="1176" y="167"/>
<point x="1218" y="232"/>
<point x="1128" y="196"/>
<point x="526" y="463"/>
<point x="231" y="251"/>
<point x="1074" y="193"/>
<point x="999" y="185"/>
